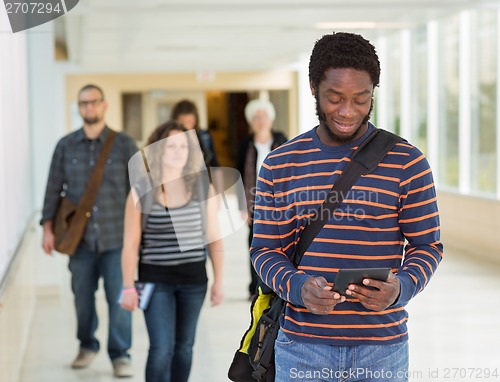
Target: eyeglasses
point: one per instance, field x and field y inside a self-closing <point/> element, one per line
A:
<point x="93" y="102"/>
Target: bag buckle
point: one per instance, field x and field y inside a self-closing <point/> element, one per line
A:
<point x="259" y="372"/>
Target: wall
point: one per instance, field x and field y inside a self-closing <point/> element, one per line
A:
<point x="152" y="100"/>
<point x="114" y="84"/>
<point x="15" y="156"/>
<point x="470" y="224"/>
<point x="47" y="118"/>
<point x="31" y="120"/>
<point x="17" y="305"/>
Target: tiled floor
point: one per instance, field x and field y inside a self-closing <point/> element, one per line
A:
<point x="454" y="328"/>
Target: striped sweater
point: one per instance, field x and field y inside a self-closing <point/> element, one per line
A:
<point x="388" y="219"/>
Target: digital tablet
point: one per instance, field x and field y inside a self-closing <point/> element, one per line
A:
<point x="356" y="276"/>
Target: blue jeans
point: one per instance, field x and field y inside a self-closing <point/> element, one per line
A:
<point x="300" y="361"/>
<point x="171" y="319"/>
<point x="86" y="268"/>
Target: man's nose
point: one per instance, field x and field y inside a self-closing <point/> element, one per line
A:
<point x="346" y="110"/>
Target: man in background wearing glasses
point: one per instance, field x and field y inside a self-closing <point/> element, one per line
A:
<point x="98" y="253"/>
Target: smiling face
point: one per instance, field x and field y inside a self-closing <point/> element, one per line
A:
<point x="176" y="150"/>
<point x="344" y="103"/>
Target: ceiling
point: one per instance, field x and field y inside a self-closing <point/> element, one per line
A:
<point x="227" y="35"/>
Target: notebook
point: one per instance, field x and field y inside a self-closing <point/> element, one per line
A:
<point x="144" y="292"/>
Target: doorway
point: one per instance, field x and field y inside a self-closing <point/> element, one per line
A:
<point x="221" y="112"/>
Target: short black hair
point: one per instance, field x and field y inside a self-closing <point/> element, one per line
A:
<point x="91" y="87"/>
<point x="343" y="50"/>
<point x="183" y="107"/>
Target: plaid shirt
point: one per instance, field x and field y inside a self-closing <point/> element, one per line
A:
<point x="72" y="165"/>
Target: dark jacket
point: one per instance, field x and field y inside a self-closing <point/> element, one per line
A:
<point x="208" y="148"/>
<point x="246" y="165"/>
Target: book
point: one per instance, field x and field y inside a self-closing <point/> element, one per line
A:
<point x="144" y="292"/>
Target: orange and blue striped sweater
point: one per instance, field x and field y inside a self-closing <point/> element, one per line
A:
<point x="388" y="219"/>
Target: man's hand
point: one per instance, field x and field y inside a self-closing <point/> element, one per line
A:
<point x="318" y="296"/>
<point x="378" y="299"/>
<point x="48" y="238"/>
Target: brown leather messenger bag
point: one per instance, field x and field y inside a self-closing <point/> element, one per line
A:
<point x="71" y="219"/>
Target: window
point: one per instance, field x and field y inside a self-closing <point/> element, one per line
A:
<point x="394" y="74"/>
<point x="419" y="88"/>
<point x="448" y="105"/>
<point x="484" y="100"/>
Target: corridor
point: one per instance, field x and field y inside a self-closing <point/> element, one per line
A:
<point x="454" y="327"/>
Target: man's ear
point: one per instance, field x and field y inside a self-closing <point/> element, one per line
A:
<point x="313" y="92"/>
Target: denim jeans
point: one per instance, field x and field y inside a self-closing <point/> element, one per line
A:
<point x="171" y="319"/>
<point x="86" y="268"/>
<point x="300" y="361"/>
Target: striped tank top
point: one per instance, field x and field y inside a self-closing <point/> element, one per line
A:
<point x="172" y="245"/>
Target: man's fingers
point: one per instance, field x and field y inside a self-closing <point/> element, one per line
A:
<point x="375" y="294"/>
<point x="318" y="296"/>
<point x="322" y="283"/>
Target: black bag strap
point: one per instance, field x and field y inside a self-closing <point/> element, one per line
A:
<point x="364" y="160"/>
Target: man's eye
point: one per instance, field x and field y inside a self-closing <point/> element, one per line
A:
<point x="361" y="102"/>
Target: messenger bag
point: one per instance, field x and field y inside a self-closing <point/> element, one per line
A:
<point x="71" y="219"/>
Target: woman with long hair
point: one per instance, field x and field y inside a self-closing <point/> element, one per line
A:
<point x="168" y="249"/>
